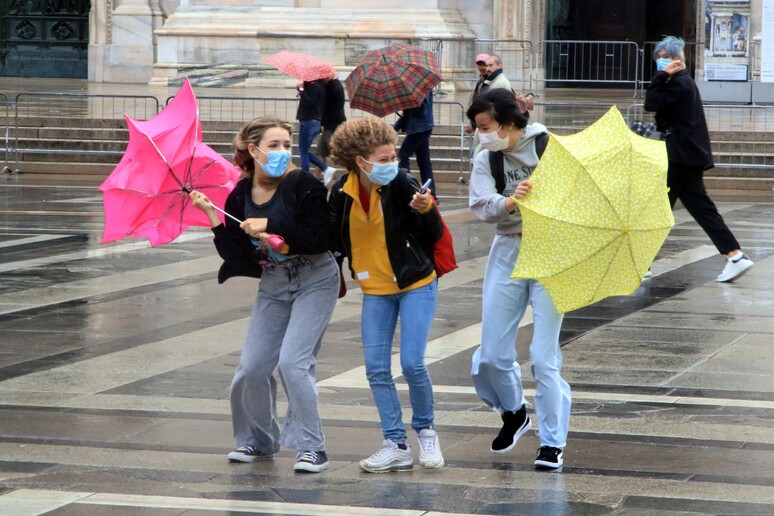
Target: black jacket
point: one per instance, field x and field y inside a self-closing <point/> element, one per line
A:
<point x="311" y="102"/>
<point x="307" y="233"/>
<point x="679" y="112"/>
<point x="410" y="236"/>
<point x="333" y="114"/>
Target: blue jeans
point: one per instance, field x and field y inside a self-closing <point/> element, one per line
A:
<point x="307" y="132"/>
<point x="496" y="372"/>
<point x="379" y="317"/>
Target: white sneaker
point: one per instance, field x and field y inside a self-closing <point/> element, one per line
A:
<point x="389" y="458"/>
<point x="735" y="267"/>
<point x="429" y="449"/>
<point x="329" y="177"/>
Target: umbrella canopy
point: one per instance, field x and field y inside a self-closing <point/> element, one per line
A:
<point x="393" y="78"/>
<point x="303" y="67"/>
<point x="146" y="195"/>
<point x="597" y="214"/>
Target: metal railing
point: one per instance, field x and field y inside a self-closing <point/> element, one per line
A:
<point x="56" y="109"/>
<point x="725" y="122"/>
<point x="449" y="119"/>
<point x="517" y="58"/>
<point x="7" y="122"/>
<point x="595" y="62"/>
<point x="568" y="117"/>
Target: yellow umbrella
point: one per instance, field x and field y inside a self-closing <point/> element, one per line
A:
<point x="597" y="214"/>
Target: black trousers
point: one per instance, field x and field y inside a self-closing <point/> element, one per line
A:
<point x="687" y="184"/>
<point x="419" y="144"/>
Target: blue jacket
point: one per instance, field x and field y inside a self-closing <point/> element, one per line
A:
<point x="418" y="119"/>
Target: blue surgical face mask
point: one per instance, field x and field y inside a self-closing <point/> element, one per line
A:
<point x="661" y="63"/>
<point x="277" y="163"/>
<point x="382" y="173"/>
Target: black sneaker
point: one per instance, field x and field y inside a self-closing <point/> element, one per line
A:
<point x="549" y="458"/>
<point x="515" y="424"/>
<point x="311" y="461"/>
<point x="247" y="453"/>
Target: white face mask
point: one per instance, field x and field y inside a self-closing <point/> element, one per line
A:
<point x="492" y="141"/>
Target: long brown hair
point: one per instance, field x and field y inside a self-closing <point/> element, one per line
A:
<point x="253" y="133"/>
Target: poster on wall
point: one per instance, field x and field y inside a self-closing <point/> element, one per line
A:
<point x="728" y="34"/>
<point x="767" y="41"/>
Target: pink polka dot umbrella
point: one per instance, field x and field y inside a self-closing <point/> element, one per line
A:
<point x="303" y="67"/>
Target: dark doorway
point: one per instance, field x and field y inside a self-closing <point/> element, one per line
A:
<point x="640" y="21"/>
<point x="44" y="38"/>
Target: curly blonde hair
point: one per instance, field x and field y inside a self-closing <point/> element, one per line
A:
<point x="253" y="133"/>
<point x="360" y="138"/>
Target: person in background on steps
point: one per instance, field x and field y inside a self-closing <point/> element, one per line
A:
<point x="386" y="228"/>
<point x="333" y="116"/>
<point x="500" y="175"/>
<point x="418" y="125"/>
<point x="296" y="295"/>
<point x="311" y="106"/>
<point x="675" y="98"/>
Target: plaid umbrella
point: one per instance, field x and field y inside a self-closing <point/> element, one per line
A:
<point x="303" y="67"/>
<point x="393" y="78"/>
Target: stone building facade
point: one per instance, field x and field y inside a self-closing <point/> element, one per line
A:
<point x="226" y="41"/>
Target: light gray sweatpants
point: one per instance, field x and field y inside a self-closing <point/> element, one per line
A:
<point x="294" y="306"/>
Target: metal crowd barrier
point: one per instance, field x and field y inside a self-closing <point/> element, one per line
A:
<point x="516" y="56"/>
<point x="596" y="62"/>
<point x="449" y="119"/>
<point x="726" y="122"/>
<point x="55" y="109"/>
<point x="568" y="117"/>
<point x="7" y="123"/>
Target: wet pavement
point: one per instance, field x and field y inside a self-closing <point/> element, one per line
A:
<point x="115" y="363"/>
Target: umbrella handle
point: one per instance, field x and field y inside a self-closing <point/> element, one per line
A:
<point x="227" y="214"/>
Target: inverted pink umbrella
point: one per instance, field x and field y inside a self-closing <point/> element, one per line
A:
<point x="146" y="195"/>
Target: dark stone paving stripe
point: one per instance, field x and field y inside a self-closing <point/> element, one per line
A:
<point x="577" y="323"/>
<point x="674" y="505"/>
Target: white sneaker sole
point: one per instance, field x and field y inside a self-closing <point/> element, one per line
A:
<point x="738" y="275"/>
<point x="432" y="463"/>
<point x="395" y="466"/>
<point x="241" y="457"/>
<point x="526" y="428"/>
<point x="549" y="465"/>
<point x="305" y="467"/>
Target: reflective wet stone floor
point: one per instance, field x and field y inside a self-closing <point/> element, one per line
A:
<point x="115" y="363"/>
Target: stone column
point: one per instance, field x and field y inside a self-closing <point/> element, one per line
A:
<point x="514" y="20"/>
<point x="122" y="50"/>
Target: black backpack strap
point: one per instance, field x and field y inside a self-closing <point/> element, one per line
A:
<point x="540" y="144"/>
<point x="497" y="166"/>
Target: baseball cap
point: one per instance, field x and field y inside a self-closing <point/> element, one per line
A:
<point x="481" y="58"/>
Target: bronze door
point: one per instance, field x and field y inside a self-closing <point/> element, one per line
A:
<point x="44" y="38"/>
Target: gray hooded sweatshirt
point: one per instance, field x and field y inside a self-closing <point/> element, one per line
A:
<point x="484" y="201"/>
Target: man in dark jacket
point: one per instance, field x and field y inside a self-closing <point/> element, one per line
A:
<point x="311" y="105"/>
<point x="333" y="116"/>
<point x="418" y="124"/>
<point x="675" y="98"/>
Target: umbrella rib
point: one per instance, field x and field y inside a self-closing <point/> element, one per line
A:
<point x="161" y="155"/>
<point x="583" y="167"/>
<point x="607" y="271"/>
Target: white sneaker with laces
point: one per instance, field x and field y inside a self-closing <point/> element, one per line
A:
<point x="429" y="449"/>
<point x="389" y="458"/>
<point x="735" y="267"/>
<point x="329" y="177"/>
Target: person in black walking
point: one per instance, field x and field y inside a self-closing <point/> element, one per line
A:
<point x="333" y="116"/>
<point x="675" y="98"/>
<point x="418" y="125"/>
